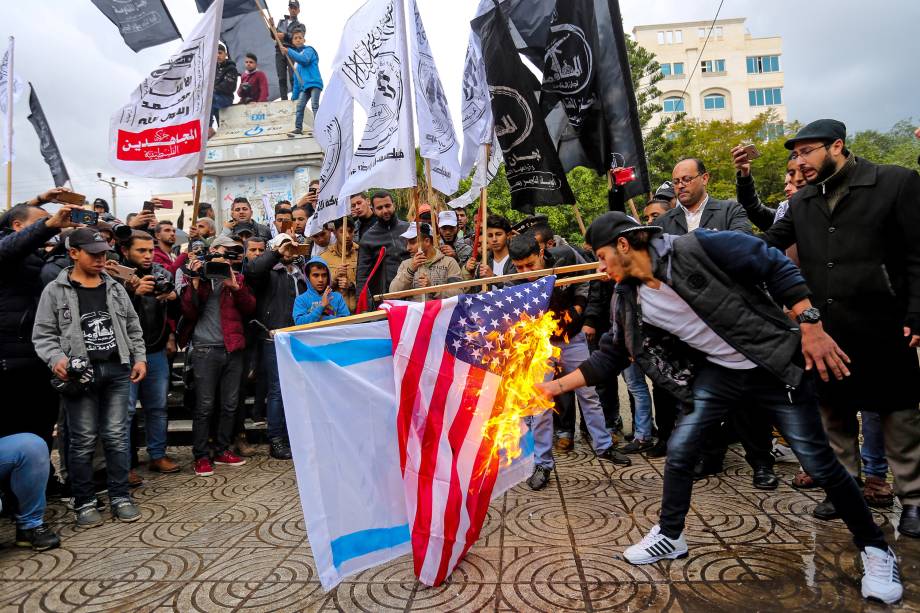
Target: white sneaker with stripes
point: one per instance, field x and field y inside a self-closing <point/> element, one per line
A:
<point x="881" y="575"/>
<point x="656" y="546"/>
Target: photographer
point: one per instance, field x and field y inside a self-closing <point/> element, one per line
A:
<point x="87" y="332"/>
<point x="153" y="295"/>
<point x="215" y="305"/>
<point x="24" y="230"/>
<point x="253" y="82"/>
<point x="278" y="277"/>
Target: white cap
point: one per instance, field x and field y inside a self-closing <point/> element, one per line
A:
<point x="279" y="240"/>
<point x="447" y="218"/>
<point x="411" y="233"/>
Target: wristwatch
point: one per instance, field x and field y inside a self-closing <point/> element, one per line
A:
<point x="810" y="315"/>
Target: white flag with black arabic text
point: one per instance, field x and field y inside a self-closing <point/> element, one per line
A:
<point x="334" y="131"/>
<point x="5" y="69"/>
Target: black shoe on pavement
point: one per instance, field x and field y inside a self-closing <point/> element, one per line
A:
<point x="41" y="538"/>
<point x="612" y="455"/>
<point x="765" y="478"/>
<point x="636" y="446"/>
<point x="279" y="449"/>
<point x="910" y="521"/>
<point x="539" y="479"/>
<point x="658" y="450"/>
<point x="704" y="469"/>
<point x="825" y="510"/>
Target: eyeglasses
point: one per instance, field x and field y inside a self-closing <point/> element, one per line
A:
<point x="683" y="180"/>
<point x="798" y="154"/>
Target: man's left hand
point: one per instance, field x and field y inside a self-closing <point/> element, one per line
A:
<point x="914" y="338"/>
<point x="232" y="283"/>
<point x="138" y="372"/>
<point x="823" y="353"/>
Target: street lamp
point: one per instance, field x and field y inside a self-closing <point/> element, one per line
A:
<point x="115" y="185"/>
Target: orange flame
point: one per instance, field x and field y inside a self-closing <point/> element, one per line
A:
<point x="524" y="352"/>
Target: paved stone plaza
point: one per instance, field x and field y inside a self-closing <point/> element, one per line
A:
<point x="236" y="542"/>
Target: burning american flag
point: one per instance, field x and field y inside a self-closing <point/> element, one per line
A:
<point x="465" y="369"/>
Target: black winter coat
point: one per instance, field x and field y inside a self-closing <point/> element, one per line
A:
<point x="862" y="263"/>
<point x="381" y="234"/>
<point x="20" y="290"/>
<point x="275" y="291"/>
<point x="225" y="78"/>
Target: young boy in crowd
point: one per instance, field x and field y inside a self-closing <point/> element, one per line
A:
<point x="319" y="302"/>
<point x="307" y="83"/>
<point x="87" y="332"/>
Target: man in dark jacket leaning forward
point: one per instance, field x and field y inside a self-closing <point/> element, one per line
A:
<point x="691" y="312"/>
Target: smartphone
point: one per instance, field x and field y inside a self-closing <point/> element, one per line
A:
<point x="311" y="191"/>
<point x="302" y="249"/>
<point x="149" y="206"/>
<point x="71" y="198"/>
<point x="164" y="204"/>
<point x="82" y="216"/>
<point x="286" y="226"/>
<point x="751" y="150"/>
<point x="120" y="272"/>
<point x="217" y="270"/>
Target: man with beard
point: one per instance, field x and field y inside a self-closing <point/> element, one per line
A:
<point x="451" y="245"/>
<point x="857" y="228"/>
<point x="381" y="244"/>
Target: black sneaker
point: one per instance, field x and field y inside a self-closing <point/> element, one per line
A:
<point x="41" y="538"/>
<point x="612" y="455"/>
<point x="765" y="478"/>
<point x="124" y="509"/>
<point x="658" y="450"/>
<point x="825" y="510"/>
<point x="279" y="449"/>
<point x="539" y="479"/>
<point x="295" y="132"/>
<point x="636" y="446"/>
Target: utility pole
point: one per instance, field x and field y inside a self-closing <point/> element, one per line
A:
<point x="114" y="184"/>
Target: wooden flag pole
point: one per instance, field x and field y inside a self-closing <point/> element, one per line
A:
<point x="434" y="212"/>
<point x="9" y="129"/>
<point x="199" y="177"/>
<point x="382" y="314"/>
<point x="271" y="28"/>
<point x="635" y="212"/>
<point x="484" y="214"/>
<point x="581" y="222"/>
<point x="413" y="196"/>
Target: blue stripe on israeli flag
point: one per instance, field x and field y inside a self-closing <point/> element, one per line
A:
<point x="344" y="353"/>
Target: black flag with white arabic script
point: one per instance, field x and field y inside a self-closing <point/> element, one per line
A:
<point x="535" y="174"/>
<point x="141" y="23"/>
<point x="46" y="141"/>
<point x="232" y="8"/>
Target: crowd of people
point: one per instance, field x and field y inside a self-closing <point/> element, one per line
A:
<point x="779" y="339"/>
<point x="297" y="66"/>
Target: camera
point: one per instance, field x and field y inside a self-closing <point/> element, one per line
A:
<point x="79" y="377"/>
<point x="162" y="282"/>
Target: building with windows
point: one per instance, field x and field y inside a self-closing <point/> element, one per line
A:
<point x="738" y="77"/>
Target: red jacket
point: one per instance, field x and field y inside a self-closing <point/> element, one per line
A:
<point x="167" y="261"/>
<point x="258" y="87"/>
<point x="234" y="308"/>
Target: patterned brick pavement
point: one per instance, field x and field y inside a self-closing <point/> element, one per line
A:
<point x="236" y="542"/>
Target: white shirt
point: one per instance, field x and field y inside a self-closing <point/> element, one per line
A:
<point x="664" y="309"/>
<point x="693" y="219"/>
<point x="498" y="266"/>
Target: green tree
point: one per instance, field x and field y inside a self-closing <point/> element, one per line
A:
<point x="896" y="146"/>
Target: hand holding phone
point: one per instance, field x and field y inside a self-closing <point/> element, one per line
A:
<point x="84" y="217"/>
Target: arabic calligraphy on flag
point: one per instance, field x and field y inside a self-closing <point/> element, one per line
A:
<point x="160" y="132"/>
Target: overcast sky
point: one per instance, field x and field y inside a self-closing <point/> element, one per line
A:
<point x="841" y="59"/>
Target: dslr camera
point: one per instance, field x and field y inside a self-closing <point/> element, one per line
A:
<point x="79" y="377"/>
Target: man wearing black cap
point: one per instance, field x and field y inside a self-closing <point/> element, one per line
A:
<point x="857" y="228"/>
<point x="284" y="30"/>
<point x="663" y="201"/>
<point x="691" y="312"/>
<point x="87" y="332"/>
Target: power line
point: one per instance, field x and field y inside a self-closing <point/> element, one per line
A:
<point x="703" y="49"/>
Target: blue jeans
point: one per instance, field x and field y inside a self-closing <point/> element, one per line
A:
<point x="152" y="392"/>
<point x="635" y="382"/>
<point x="311" y="94"/>
<point x="716" y="392"/>
<point x="100" y="412"/>
<point x="573" y="354"/>
<point x="274" y="404"/>
<point x="25" y="462"/>
<point x="873" y="449"/>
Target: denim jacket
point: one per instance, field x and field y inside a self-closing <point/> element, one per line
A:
<point x="57" y="333"/>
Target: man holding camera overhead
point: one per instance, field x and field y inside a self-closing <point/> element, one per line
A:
<point x="153" y="294"/>
<point x="215" y="304"/>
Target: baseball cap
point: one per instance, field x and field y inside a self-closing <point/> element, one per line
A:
<point x="529" y="223"/>
<point x="447" y="218"/>
<point x="224" y="241"/>
<point x="89" y="240"/>
<point x="294" y="3"/>
<point x="244" y="227"/>
<point x="607" y="228"/>
<point x="425" y="230"/>
<point x="665" y="192"/>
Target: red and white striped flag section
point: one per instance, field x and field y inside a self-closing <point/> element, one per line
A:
<point x="448" y="364"/>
